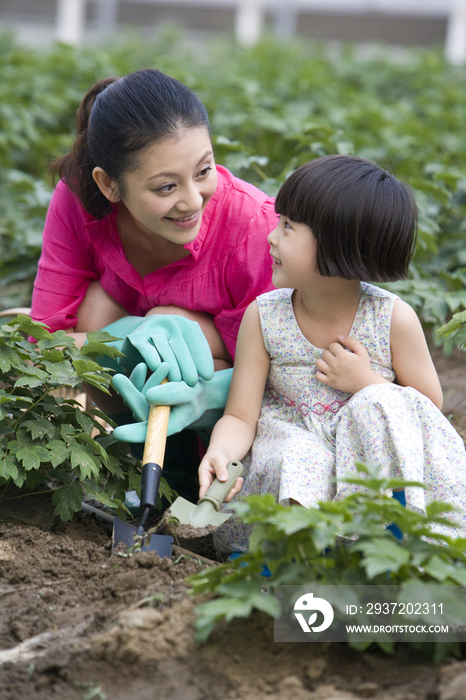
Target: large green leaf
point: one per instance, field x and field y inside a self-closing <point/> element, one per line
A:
<point x="58" y="452"/>
<point x="40" y="427"/>
<point x="68" y="500"/>
<point x="8" y="468"/>
<point x="83" y="461"/>
<point x="32" y="456"/>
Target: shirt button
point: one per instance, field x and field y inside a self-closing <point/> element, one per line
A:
<point x="196" y="245"/>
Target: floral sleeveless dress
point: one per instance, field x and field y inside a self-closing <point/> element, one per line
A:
<point x="309" y="436"/>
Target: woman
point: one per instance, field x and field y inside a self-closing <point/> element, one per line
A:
<point x="147" y="238"/>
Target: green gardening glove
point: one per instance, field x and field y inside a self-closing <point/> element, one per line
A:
<point x="198" y="407"/>
<point x="163" y="338"/>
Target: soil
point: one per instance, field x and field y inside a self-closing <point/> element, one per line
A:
<point x="78" y="622"/>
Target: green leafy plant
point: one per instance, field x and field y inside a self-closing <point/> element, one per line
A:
<point x="455" y="330"/>
<point x="45" y="438"/>
<point x="340" y="542"/>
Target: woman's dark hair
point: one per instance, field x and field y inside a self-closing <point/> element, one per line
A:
<point x="118" y="118"/>
<point x="363" y="218"/>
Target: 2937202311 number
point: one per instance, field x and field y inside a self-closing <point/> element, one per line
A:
<point x="403" y="608"/>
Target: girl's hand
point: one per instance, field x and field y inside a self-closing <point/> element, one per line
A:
<point x="213" y="465"/>
<point x="346" y="371"/>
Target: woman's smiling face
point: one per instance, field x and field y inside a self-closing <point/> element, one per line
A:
<point x="167" y="194"/>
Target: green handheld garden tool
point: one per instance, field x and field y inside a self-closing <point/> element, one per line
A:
<point x="206" y="512"/>
<point x="152" y="460"/>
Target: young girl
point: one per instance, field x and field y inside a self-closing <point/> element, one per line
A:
<point x="331" y="370"/>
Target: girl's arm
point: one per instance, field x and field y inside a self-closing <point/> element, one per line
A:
<point x="411" y="358"/>
<point x="233" y="435"/>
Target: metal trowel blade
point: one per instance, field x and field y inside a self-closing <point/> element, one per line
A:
<point x="122" y="532"/>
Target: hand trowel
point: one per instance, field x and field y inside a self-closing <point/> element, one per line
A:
<point x="206" y="512"/>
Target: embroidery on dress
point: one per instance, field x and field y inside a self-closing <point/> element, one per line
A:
<point x="318" y="408"/>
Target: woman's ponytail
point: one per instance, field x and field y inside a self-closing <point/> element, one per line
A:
<point x="76" y="167"/>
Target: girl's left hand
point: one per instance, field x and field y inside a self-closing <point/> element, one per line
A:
<point x="346" y="371"/>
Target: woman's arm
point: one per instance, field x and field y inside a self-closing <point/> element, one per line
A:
<point x="66" y="265"/>
<point x="234" y="434"/>
<point x="411" y="358"/>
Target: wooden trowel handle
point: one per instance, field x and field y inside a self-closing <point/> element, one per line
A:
<point x="156" y="437"/>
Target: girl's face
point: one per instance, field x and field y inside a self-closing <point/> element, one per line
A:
<point x="167" y="195"/>
<point x="293" y="250"/>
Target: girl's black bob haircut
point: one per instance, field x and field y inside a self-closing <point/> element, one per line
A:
<point x="363" y="218"/>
